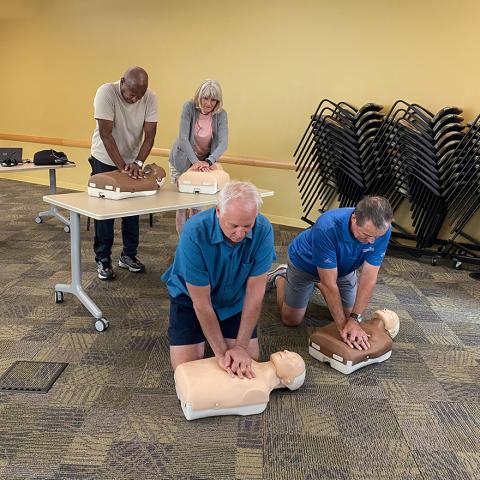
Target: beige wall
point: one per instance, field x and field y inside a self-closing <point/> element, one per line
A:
<point x="276" y="59"/>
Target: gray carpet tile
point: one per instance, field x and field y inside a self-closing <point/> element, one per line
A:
<point x="114" y="414"/>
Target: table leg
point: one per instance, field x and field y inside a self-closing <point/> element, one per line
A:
<point x="53" y="212"/>
<point x="75" y="287"/>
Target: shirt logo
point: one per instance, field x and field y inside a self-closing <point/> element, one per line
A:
<point x="369" y="249"/>
<point x="327" y="260"/>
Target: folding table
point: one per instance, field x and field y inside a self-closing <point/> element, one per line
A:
<point x="167" y="199"/>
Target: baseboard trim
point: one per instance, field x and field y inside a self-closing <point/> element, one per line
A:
<point x="287" y="221"/>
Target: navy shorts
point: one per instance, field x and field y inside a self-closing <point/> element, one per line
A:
<point x="184" y="327"/>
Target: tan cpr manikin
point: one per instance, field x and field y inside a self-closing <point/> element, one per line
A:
<point x="326" y="344"/>
<point x="117" y="185"/>
<point x="203" y="182"/>
<point x="206" y="390"/>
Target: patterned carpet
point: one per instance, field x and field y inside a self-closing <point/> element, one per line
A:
<point x="113" y="413"/>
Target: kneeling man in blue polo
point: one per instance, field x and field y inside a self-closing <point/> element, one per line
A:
<point x="217" y="281"/>
<point x="328" y="255"/>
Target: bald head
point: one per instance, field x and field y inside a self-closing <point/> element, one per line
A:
<point x="134" y="84"/>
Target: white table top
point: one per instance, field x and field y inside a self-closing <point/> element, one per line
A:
<point x="24" y="167"/>
<point x="166" y="199"/>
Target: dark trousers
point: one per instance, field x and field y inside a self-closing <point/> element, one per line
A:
<point x="104" y="228"/>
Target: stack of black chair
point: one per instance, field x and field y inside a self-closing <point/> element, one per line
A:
<point x="429" y="147"/>
<point x="314" y="168"/>
<point x="386" y="173"/>
<point x="463" y="193"/>
<point x="330" y="157"/>
<point x="410" y="157"/>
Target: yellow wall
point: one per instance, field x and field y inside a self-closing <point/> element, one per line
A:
<point x="276" y="59"/>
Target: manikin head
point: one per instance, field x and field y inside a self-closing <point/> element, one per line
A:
<point x="390" y="321"/>
<point x="134" y="84"/>
<point x="290" y="368"/>
<point x="371" y="219"/>
<point x="152" y="169"/>
<point x="237" y="210"/>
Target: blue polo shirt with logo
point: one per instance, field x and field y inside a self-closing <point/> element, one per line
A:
<point x="329" y="243"/>
<point x="204" y="256"/>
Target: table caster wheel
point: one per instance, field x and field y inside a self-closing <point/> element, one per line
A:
<point x="101" y="324"/>
<point x="58" y="297"/>
<point x="434" y="261"/>
<point x="66" y="229"/>
<point x="38" y="219"/>
<point x="457" y="264"/>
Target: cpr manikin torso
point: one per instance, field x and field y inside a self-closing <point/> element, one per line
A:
<point x="326" y="344"/>
<point x="206" y="390"/>
<point x="117" y="185"/>
<point x="203" y="182"/>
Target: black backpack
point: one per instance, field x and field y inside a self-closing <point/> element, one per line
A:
<point x="50" y="157"/>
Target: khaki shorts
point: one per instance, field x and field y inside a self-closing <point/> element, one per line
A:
<point x="299" y="287"/>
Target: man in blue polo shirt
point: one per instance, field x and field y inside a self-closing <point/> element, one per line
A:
<point x="217" y="281"/>
<point x="328" y="255"/>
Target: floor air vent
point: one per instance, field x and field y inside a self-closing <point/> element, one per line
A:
<point x="34" y="377"/>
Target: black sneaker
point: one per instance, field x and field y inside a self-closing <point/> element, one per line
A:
<point x="132" y="263"/>
<point x="105" y="270"/>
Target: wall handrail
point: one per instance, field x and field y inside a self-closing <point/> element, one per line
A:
<point x="158" y="152"/>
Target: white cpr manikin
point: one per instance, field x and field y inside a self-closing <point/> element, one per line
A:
<point x="327" y="346"/>
<point x="117" y="185"/>
<point x="203" y="182"/>
<point x="206" y="390"/>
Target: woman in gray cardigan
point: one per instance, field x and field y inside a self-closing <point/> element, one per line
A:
<point x="203" y="136"/>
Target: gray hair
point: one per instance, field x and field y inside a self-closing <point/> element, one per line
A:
<point x="236" y="189"/>
<point x="209" y="89"/>
<point x="376" y="209"/>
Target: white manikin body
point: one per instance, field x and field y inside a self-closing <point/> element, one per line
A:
<point x="206" y="390"/>
<point x="203" y="182"/>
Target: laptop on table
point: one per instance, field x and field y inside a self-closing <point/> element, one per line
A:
<point x="10" y="157"/>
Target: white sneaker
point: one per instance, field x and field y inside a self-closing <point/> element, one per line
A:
<point x="280" y="271"/>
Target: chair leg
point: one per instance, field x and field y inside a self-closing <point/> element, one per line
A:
<point x="88" y="224"/>
<point x="151" y="220"/>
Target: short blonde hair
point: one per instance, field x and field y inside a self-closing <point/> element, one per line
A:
<point x="209" y="89"/>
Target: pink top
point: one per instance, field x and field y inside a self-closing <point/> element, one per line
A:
<point x="203" y="136"/>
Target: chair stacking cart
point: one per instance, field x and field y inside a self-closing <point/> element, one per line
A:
<point x="432" y="161"/>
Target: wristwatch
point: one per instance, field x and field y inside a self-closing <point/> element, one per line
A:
<point x="209" y="162"/>
<point x="139" y="163"/>
<point x="356" y="316"/>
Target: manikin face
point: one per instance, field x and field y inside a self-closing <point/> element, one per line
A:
<point x="288" y="365"/>
<point x="367" y="233"/>
<point x="207" y="105"/>
<point x="390" y="320"/>
<point x="237" y="219"/>
<point x="131" y="94"/>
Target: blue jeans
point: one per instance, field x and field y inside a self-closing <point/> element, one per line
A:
<point x="104" y="228"/>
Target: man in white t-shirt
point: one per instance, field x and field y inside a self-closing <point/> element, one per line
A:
<point x="126" y="116"/>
